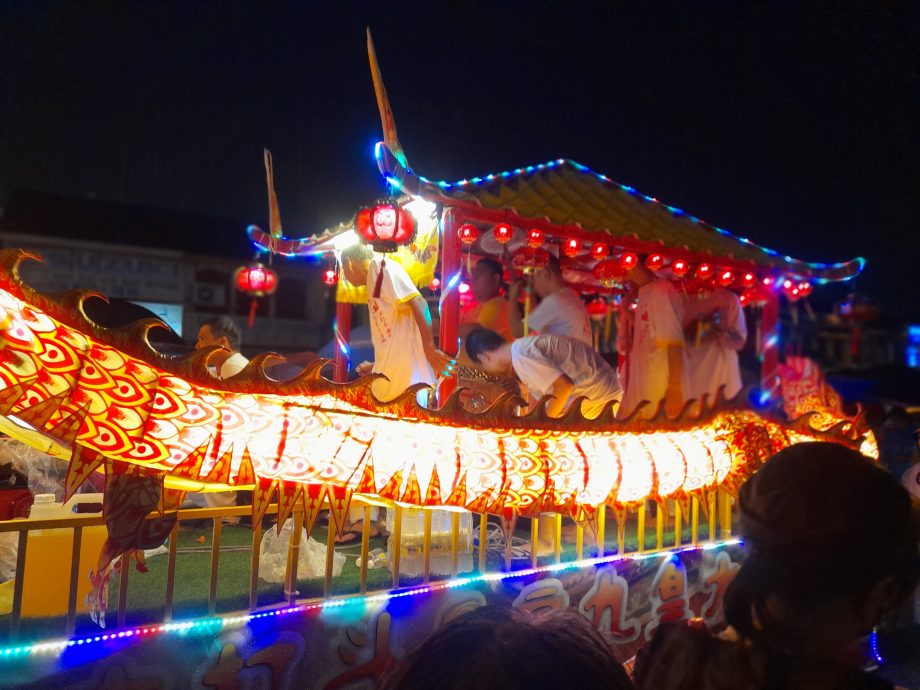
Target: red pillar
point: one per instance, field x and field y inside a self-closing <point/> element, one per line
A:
<point x="769" y="349"/>
<point x="451" y="265"/>
<point x="342" y="334"/>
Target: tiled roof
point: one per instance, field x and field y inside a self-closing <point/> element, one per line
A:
<point x="567" y="193"/>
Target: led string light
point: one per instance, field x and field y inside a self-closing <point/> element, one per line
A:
<point x="213" y="624"/>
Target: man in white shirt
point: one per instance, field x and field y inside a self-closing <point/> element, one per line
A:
<point x="715" y="331"/>
<point x="404" y="349"/>
<point x="221" y="331"/>
<point x="656" y="366"/>
<point x="561" y="311"/>
<point x="549" y="365"/>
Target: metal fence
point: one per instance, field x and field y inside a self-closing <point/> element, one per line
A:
<point x="656" y="527"/>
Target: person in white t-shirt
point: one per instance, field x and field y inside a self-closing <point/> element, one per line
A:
<point x="715" y="331"/>
<point x="404" y="349"/>
<point x="561" y="311"/>
<point x="549" y="365"/>
<point x="656" y="365"/>
<point x="221" y="331"/>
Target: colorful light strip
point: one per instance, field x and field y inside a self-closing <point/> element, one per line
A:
<point x="217" y="623"/>
<point x="632" y="191"/>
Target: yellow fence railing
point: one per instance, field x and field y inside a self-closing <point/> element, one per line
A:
<point x="550" y="539"/>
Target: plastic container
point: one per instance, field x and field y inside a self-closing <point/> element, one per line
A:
<point x="48" y="556"/>
<point x="411" y="558"/>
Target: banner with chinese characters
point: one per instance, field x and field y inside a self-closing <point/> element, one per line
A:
<point x="349" y="645"/>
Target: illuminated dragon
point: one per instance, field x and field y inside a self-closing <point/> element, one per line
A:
<point x="104" y="399"/>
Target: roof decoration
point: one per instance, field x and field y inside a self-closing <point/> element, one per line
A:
<point x="572" y="201"/>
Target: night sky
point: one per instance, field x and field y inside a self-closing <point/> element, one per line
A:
<point x="799" y="128"/>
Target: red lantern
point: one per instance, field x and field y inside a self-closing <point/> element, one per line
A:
<point x="628" y="261"/>
<point x="600" y="251"/>
<point x="468" y="234"/>
<point x="654" y="262"/>
<point x="725" y="278"/>
<point x="529" y="259"/>
<point x="805" y="288"/>
<point x="703" y="272"/>
<point x="768" y="281"/>
<point x="503" y="233"/>
<point x="748" y="279"/>
<point x="571" y="247"/>
<point x="330" y="277"/>
<point x="256" y="281"/>
<point x="608" y="272"/>
<point x="535" y="238"/>
<point x="680" y="268"/>
<point x="385" y="226"/>
<point x="597" y="309"/>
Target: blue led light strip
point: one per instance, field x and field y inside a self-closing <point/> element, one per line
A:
<point x="214" y="624"/>
<point x="632" y="191"/>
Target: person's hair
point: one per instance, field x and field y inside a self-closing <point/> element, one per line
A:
<point x="357" y="252"/>
<point x="482" y="340"/>
<point x="553" y="266"/>
<point x="822" y="522"/>
<point x="498" y="647"/>
<point x="492" y="266"/>
<point x="225" y="327"/>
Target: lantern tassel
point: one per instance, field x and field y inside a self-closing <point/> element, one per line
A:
<point x="252" y="313"/>
<point x="379" y="284"/>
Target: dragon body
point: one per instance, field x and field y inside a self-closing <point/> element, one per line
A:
<point x="106" y="400"/>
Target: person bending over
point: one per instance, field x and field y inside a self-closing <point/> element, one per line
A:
<point x="549" y="365"/>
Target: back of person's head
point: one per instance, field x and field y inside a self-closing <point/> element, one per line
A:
<point x="482" y="340"/>
<point x="357" y="252"/>
<point x="828" y="531"/>
<point x="225" y="327"/>
<point x="496" y="647"/>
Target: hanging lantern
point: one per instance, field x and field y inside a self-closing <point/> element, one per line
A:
<point x="725" y="278"/>
<point x="468" y="234"/>
<point x="768" y="281"/>
<point x="255" y="280"/>
<point x="535" y="238"/>
<point x="597" y="309"/>
<point x="608" y="272"/>
<point x="571" y="247"/>
<point x="703" y="271"/>
<point x="654" y="262"/>
<point x="600" y="251"/>
<point x="680" y="268"/>
<point x="385" y="226"/>
<point x="748" y="279"/>
<point x="503" y="233"/>
<point x="529" y="259"/>
<point x="628" y="261"/>
<point x="330" y="277"/>
<point x="805" y="288"/>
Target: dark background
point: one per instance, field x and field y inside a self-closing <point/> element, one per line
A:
<point x="795" y="125"/>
